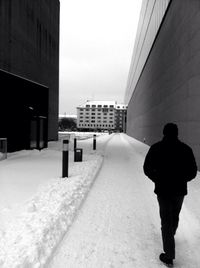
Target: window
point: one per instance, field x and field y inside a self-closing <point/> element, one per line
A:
<point x="105" y="106"/>
<point x="87" y="105"/>
<point x="93" y="110"/>
<point x="93" y="105"/>
<point x="99" y="105"/>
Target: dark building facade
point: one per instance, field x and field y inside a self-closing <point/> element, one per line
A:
<point x="120" y="117"/>
<point x="167" y="87"/>
<point x="29" y="66"/>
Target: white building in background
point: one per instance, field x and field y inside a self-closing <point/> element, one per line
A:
<point x="101" y="115"/>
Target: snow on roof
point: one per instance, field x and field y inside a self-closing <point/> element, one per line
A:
<point x="100" y="102"/>
<point x="114" y="103"/>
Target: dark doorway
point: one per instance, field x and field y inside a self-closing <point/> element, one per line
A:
<point x="22" y="103"/>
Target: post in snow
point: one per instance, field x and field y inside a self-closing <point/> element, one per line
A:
<point x="65" y="159"/>
<point x="94" y="142"/>
<point x="74" y="144"/>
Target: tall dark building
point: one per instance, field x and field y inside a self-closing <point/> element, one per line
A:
<point x="29" y="71"/>
<point x="164" y="78"/>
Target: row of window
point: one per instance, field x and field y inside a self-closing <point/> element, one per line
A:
<point x="123" y="107"/>
<point x="96" y="125"/>
<point x="99" y="121"/>
<point x="96" y="110"/>
<point x="96" y="113"/>
<point x="102" y="106"/>
<point x="119" y="113"/>
<point x="99" y="106"/>
<point x="98" y="117"/>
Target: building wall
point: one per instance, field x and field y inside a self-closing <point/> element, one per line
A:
<point x="102" y="115"/>
<point x="151" y="16"/>
<point x="29" y="46"/>
<point x="120" y="117"/>
<point x="168" y="87"/>
<point x="96" y="115"/>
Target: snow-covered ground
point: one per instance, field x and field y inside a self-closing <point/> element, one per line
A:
<point x="119" y="224"/>
<point x="47" y="221"/>
<point x="37" y="206"/>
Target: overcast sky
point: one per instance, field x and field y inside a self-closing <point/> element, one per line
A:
<point x="96" y="44"/>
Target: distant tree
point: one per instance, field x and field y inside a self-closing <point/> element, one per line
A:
<point x="67" y="123"/>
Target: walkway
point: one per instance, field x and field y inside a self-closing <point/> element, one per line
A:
<point x="118" y="225"/>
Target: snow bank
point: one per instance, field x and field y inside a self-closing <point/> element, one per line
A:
<point x="30" y="239"/>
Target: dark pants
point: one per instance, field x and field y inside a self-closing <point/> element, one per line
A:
<point x="170" y="208"/>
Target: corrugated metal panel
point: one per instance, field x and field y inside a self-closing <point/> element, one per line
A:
<point x="152" y="13"/>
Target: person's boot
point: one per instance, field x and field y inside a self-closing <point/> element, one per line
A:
<point x="168" y="262"/>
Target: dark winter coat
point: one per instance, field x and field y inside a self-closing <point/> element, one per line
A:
<point x="170" y="164"/>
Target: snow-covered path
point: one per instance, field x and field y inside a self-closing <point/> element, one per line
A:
<point x="118" y="226"/>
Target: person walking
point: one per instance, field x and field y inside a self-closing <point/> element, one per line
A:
<point x="170" y="164"/>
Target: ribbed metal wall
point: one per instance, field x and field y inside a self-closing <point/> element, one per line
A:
<point x="151" y="16"/>
<point x="168" y="88"/>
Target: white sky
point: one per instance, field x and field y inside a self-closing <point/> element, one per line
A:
<point x="96" y="45"/>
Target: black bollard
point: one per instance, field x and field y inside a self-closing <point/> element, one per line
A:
<point x="65" y="159"/>
<point x="74" y="144"/>
<point x="94" y="142"/>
